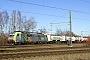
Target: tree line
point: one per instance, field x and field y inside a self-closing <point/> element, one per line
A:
<point x="61" y="32"/>
<point x="15" y="22"/>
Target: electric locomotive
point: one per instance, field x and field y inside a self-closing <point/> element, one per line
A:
<point x="20" y="37"/>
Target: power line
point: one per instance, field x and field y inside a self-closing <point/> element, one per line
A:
<point x="48" y="6"/>
<point x="75" y="18"/>
<point x="46" y="14"/>
<point x="60" y="17"/>
<point x="72" y="18"/>
<point x="81" y="19"/>
<point x="33" y="13"/>
<point x="85" y="1"/>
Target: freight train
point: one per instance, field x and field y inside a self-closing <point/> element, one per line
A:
<point x="20" y="37"/>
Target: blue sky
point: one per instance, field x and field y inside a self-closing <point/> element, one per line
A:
<point x="82" y="23"/>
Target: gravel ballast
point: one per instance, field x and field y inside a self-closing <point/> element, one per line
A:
<point x="77" y="56"/>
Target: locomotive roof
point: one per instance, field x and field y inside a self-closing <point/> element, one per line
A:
<point x="28" y="32"/>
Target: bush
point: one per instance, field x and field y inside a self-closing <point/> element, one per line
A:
<point x="3" y="39"/>
<point x="88" y="43"/>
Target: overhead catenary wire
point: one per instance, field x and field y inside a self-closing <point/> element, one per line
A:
<point x="60" y="17"/>
<point x="68" y="17"/>
<point x="48" y="6"/>
<point x="85" y="1"/>
<point x="32" y="13"/>
<point x="46" y="14"/>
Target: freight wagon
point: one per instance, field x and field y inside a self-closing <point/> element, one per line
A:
<point x="58" y="39"/>
<point x="72" y="38"/>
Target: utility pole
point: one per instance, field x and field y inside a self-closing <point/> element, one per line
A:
<point x="70" y="42"/>
<point x="13" y="21"/>
<point x="81" y="33"/>
<point x="51" y="29"/>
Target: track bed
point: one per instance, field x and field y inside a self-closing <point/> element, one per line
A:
<point x="40" y="50"/>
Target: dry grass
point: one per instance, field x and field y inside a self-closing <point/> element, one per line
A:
<point x="3" y="40"/>
<point x="87" y="43"/>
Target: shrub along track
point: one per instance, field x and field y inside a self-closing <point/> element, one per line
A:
<point x="29" y="52"/>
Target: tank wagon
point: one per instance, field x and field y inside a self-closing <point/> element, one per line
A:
<point x="19" y="37"/>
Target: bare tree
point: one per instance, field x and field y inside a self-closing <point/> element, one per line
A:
<point x="67" y="33"/>
<point x="6" y="18"/>
<point x="1" y="21"/>
<point x="43" y="30"/>
<point x="23" y="19"/>
<point x="59" y="32"/>
<point x="19" y="21"/>
<point x="13" y="20"/>
<point x="30" y="24"/>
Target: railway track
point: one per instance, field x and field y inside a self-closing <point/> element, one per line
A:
<point x="39" y="48"/>
<point x="12" y="53"/>
<point x="30" y="45"/>
<point x="38" y="45"/>
<point x="42" y="53"/>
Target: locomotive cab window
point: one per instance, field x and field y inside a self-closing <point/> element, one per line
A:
<point x="29" y="35"/>
<point x="46" y="35"/>
<point x="17" y="34"/>
<point x="11" y="35"/>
